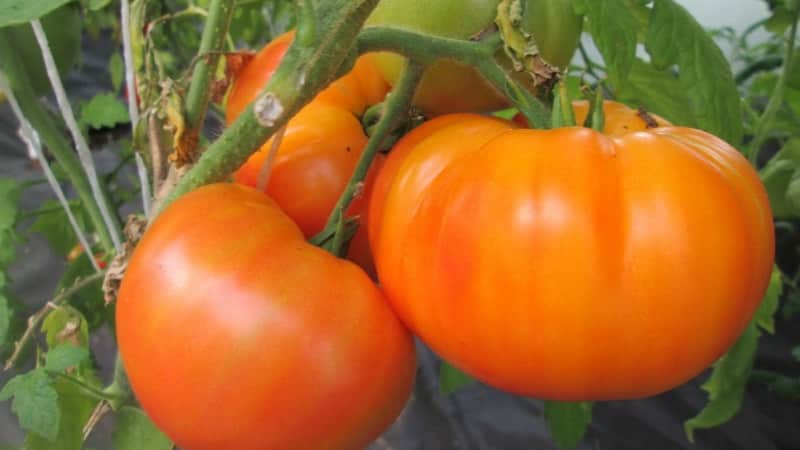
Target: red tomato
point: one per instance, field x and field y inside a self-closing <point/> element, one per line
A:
<point x="321" y="147"/>
<point x="237" y="334"/>
<point x="568" y="265"/>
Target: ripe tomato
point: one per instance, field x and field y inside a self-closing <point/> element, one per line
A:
<point x="569" y="265"/>
<point x="321" y="146"/>
<point x="619" y="118"/>
<point x="448" y="86"/>
<point x="237" y="334"/>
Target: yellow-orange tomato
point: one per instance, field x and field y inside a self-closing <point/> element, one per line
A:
<point x="569" y="265"/>
<point x="238" y="334"/>
<point x="619" y="118"/>
<point x="321" y="146"/>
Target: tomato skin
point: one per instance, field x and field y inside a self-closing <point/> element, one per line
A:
<point x="568" y="265"/>
<point x="321" y="146"/>
<point x="237" y="334"/>
<point x="447" y="86"/>
<point x="620" y="119"/>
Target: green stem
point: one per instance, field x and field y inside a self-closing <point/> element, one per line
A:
<point x="94" y="392"/>
<point x="563" y="114"/>
<point x="590" y="65"/>
<point x="52" y="136"/>
<point x="396" y="107"/>
<point x="425" y="49"/>
<point x="119" y="390"/>
<point x="220" y="13"/>
<point x="764" y="125"/>
<point x="303" y="72"/>
<point x="762" y="65"/>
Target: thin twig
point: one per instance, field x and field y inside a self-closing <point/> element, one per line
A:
<point x="80" y="142"/>
<point x="145" y="183"/>
<point x="38" y="316"/>
<point x="127" y="56"/>
<point x="31" y="139"/>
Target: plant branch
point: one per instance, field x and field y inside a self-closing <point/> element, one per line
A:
<point x="97" y="394"/>
<point x="213" y="40"/>
<point x="764" y="124"/>
<point x="396" y="108"/>
<point x="119" y="390"/>
<point x="80" y="142"/>
<point x="425" y="49"/>
<point x="51" y="135"/>
<point x="304" y="71"/>
<point x="38" y="316"/>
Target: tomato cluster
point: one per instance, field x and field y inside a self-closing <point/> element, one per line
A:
<point x="563" y="264"/>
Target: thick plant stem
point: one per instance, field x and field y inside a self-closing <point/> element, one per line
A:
<point x="304" y="71"/>
<point x="479" y="54"/>
<point x="213" y="40"/>
<point x="776" y="100"/>
<point x="52" y="137"/>
<point x="397" y="106"/>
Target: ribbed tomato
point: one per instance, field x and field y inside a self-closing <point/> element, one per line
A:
<point x="237" y="334"/>
<point x="321" y="146"/>
<point x="566" y="264"/>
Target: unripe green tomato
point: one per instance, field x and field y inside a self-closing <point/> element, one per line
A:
<point x="448" y="86"/>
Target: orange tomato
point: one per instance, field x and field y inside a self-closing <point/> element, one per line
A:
<point x="237" y="334"/>
<point x="569" y="265"/>
<point x="321" y="146"/>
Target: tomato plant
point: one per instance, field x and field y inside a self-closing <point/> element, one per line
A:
<point x="321" y="145"/>
<point x="237" y="334"/>
<point x="451" y="87"/>
<point x="563" y="264"/>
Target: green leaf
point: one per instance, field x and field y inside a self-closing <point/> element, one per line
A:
<point x="89" y="301"/>
<point x="796" y="353"/>
<point x="728" y="380"/>
<point x="104" y="111"/>
<point x="675" y="37"/>
<point x="567" y="422"/>
<point x="65" y="325"/>
<point x="65" y="356"/>
<point x="35" y="403"/>
<point x="5" y="317"/>
<point x="116" y="66"/>
<point x="9" y="208"/>
<point x="135" y="431"/>
<point x="614" y="29"/>
<point x="9" y="202"/>
<point x="77" y="409"/>
<point x="23" y="11"/>
<point x="52" y="223"/>
<point x="451" y="379"/>
<point x="96" y="5"/>
<point x="778" y="175"/>
<point x="780" y="20"/>
<point x="63" y="29"/>
<point x="656" y="90"/>
<point x="765" y="316"/>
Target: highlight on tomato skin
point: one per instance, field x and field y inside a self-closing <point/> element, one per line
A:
<point x="238" y="322"/>
<point x="569" y="265"/>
